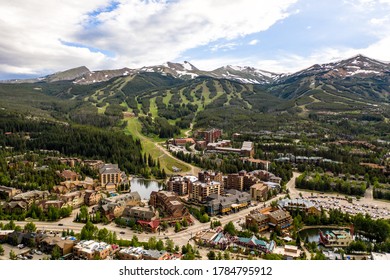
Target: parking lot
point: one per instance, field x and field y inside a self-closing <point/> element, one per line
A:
<point x="339" y="202"/>
<point x="22" y="253"/>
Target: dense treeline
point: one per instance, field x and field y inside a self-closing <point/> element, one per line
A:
<point x="72" y="140"/>
<point x="35" y="212"/>
<point x="325" y="183"/>
<point x="378" y="230"/>
<point x="229" y="164"/>
<point x="381" y="192"/>
<point x="159" y="126"/>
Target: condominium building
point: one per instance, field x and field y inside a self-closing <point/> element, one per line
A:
<point x="90" y="249"/>
<point x="179" y="185"/>
<point x="110" y="173"/>
<point x="199" y="191"/>
<point x="259" y="192"/>
<point x="169" y="203"/>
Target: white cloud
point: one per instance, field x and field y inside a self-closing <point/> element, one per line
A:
<point x="224" y="47"/>
<point x="137" y="32"/>
<point x="253" y="42"/>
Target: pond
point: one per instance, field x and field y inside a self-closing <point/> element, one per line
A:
<point x="312" y="234"/>
<point x="145" y="187"/>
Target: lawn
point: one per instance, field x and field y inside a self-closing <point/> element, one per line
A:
<point x="149" y="146"/>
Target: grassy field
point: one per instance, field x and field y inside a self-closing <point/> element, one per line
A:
<point x="150" y="147"/>
<point x="153" y="107"/>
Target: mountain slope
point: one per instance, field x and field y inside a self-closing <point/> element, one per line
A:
<point x="358" y="76"/>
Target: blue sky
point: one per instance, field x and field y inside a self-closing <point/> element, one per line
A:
<point x="40" y="37"/>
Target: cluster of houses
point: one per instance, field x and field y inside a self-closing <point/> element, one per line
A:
<point x="216" y="238"/>
<point x="269" y="218"/>
<point x="211" y="142"/>
<point x="290" y="158"/>
<point x="72" y="191"/>
<point x="139" y="253"/>
<point x="69" y="247"/>
<point x="225" y="194"/>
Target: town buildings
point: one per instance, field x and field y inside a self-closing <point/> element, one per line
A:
<point x="299" y="204"/>
<point x="7" y="192"/>
<point x="169" y="203"/>
<point x="90" y="249"/>
<point x="111" y="176"/>
<point x="199" y="191"/>
<point x="138" y="253"/>
<point x="280" y="219"/>
<point x="113" y="207"/>
<point x="179" y="185"/>
<point x="224" y="147"/>
<point x="259" y="192"/>
<point x="232" y="201"/>
<point x="269" y="219"/>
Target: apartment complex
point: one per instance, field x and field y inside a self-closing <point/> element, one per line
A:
<point x="8" y="192"/>
<point x="110" y="174"/>
<point x="259" y="192"/>
<point x="241" y="181"/>
<point x="199" y="191"/>
<point x="179" y="185"/>
<point x="303" y="205"/>
<point x="90" y="249"/>
<point x="277" y="219"/>
<point x="232" y="201"/>
<point x="169" y="203"/>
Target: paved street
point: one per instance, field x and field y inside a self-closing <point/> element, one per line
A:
<point x="184" y="236"/>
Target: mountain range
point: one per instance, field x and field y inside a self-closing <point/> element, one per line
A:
<point x="179" y="95"/>
<point x="357" y="66"/>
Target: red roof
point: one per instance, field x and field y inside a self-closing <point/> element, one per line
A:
<point x="153" y="224"/>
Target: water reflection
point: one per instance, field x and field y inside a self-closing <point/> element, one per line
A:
<point x="145" y="187"/>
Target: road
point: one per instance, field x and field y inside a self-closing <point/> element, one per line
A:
<point x="194" y="170"/>
<point x="180" y="238"/>
<point x="366" y="204"/>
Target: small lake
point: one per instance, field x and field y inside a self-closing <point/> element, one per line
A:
<point x="313" y="234"/>
<point x="144" y="187"/>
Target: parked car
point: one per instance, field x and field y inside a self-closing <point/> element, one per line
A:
<point x="20" y="246"/>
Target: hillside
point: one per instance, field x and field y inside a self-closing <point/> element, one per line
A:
<point x="318" y="98"/>
<point x="356" y="77"/>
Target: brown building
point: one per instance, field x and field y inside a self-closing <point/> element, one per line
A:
<point x="201" y="190"/>
<point x="139" y="213"/>
<point x="113" y="207"/>
<point x="110" y="173"/>
<point x="8" y="192"/>
<point x="48" y="244"/>
<point x="183" y="141"/>
<point x="211" y="135"/>
<point x="90" y="249"/>
<point x="235" y="181"/>
<point x="50" y="203"/>
<point x="259" y="192"/>
<point x="32" y="196"/>
<point x="74" y="199"/>
<point x="257" y="219"/>
<point x="208" y="176"/>
<point x="281" y="219"/>
<point x="179" y="185"/>
<point x="92" y="197"/>
<point x="169" y="203"/>
<point x="69" y="175"/>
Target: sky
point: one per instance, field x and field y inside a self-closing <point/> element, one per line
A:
<point x="39" y="37"/>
